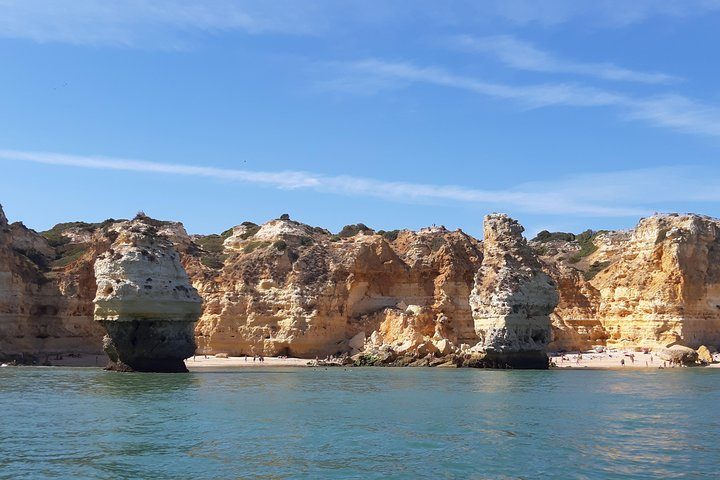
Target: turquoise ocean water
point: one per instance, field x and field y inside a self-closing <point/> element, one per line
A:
<point x="359" y="423"/>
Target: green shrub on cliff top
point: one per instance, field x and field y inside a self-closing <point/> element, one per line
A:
<point x="55" y="236"/>
<point x="546" y="236"/>
<point x="390" y="236"/>
<point x="586" y="240"/>
<point x="211" y="243"/>
<point x="352" y="230"/>
<point x="250" y="230"/>
<point x="254" y="245"/>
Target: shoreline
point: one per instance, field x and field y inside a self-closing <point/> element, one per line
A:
<point x="611" y="360"/>
<point x="587" y="360"/>
<point x="200" y="362"/>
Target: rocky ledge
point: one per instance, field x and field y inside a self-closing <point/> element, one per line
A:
<point x="145" y="301"/>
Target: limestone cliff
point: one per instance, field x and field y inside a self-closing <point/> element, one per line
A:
<point x="654" y="286"/>
<point x="292" y="289"/>
<point x="45" y="308"/>
<point x="399" y="296"/>
<point x="144" y="300"/>
<point x="512" y="298"/>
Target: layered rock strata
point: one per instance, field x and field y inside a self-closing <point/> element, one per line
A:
<point x="512" y="299"/>
<point x="400" y="297"/>
<point x="45" y="311"/>
<point x="145" y="301"/>
<point x="653" y="287"/>
<point x="290" y="289"/>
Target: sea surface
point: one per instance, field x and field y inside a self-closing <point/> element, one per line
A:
<point x="359" y="423"/>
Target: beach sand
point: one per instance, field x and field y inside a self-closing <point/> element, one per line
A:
<point x="612" y="360"/>
<point x="200" y="361"/>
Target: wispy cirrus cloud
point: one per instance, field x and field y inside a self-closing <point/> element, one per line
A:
<point x="611" y="13"/>
<point x="523" y="55"/>
<point x="669" y="111"/>
<point x="627" y="193"/>
<point x="163" y="24"/>
<point x="145" y="23"/>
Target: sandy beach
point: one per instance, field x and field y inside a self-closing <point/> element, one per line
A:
<point x="200" y="361"/>
<point x="613" y="360"/>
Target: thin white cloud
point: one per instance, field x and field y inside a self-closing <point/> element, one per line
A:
<point x="153" y="24"/>
<point x="615" y="194"/>
<point x="611" y="13"/>
<point x="144" y="23"/>
<point x="669" y="111"/>
<point x="523" y="55"/>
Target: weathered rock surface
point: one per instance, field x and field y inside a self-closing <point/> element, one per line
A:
<point x="297" y="290"/>
<point x="45" y="310"/>
<point x="512" y="298"/>
<point x="145" y="301"/>
<point x="398" y="297"/>
<point x="654" y="286"/>
<point x="704" y="355"/>
<point x="678" y="354"/>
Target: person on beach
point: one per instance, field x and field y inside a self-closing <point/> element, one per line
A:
<point x="622" y="362"/>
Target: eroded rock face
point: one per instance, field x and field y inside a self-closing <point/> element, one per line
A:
<point x="399" y="297"/>
<point x="145" y="301"/>
<point x="655" y="286"/>
<point x="44" y="310"/>
<point x="512" y="298"/>
<point x="291" y="289"/>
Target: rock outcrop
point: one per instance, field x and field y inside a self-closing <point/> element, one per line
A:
<point x="704" y="355"/>
<point x="512" y="299"/>
<point x="399" y="297"/>
<point x="45" y="304"/>
<point x="290" y="289"/>
<point x="678" y="354"/>
<point x="653" y="287"/>
<point x="145" y="301"/>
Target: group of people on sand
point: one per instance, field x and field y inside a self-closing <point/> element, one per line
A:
<point x="330" y="360"/>
<point x="608" y="358"/>
<point x="256" y="358"/>
<point x="631" y="356"/>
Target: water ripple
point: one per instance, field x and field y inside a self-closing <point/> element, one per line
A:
<point x="359" y="423"/>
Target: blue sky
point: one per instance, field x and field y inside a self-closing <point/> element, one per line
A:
<point x="565" y="114"/>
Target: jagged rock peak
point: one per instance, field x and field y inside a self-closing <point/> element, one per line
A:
<point x="502" y="233"/>
<point x="3" y="218"/>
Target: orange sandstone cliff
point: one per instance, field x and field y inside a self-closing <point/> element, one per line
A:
<point x="286" y="288"/>
<point x="655" y="286"/>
